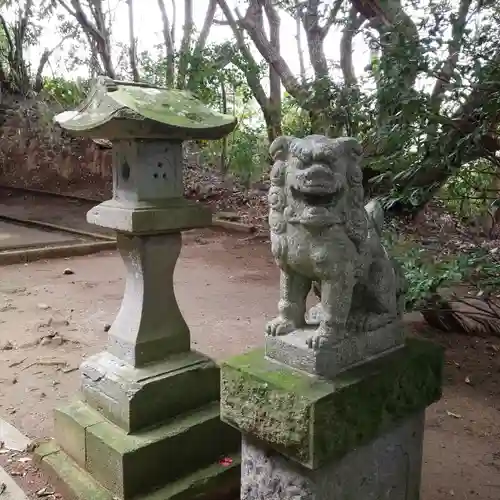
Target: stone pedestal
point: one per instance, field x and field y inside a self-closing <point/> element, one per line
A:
<point x="356" y="436"/>
<point x="146" y="424"/>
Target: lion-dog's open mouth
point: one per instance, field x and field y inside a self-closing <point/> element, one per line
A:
<point x="313" y="199"/>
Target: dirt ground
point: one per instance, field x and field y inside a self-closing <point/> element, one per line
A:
<point x="227" y="288"/>
<point x="60" y="211"/>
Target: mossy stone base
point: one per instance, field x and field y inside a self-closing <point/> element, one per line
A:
<point x="131" y="465"/>
<point x="138" y="398"/>
<point x="314" y="421"/>
<point x="214" y="482"/>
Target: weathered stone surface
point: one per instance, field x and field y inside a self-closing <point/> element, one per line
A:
<point x="147" y="171"/>
<point x="137" y="398"/>
<point x="388" y="468"/>
<point x="321" y="233"/>
<point x="146" y="218"/>
<point x="314" y="421"/>
<point x="71" y="480"/>
<point x="292" y="350"/>
<point x="149" y="326"/>
<point x="147" y="191"/>
<point x="70" y="425"/>
<point x="132" y="464"/>
<point x="214" y="482"/>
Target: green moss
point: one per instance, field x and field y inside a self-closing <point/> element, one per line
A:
<point x="314" y="420"/>
<point x="112" y="107"/>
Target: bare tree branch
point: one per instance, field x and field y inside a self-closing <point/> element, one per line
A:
<point x="205" y="30"/>
<point x="458" y="23"/>
<point x="251" y="76"/>
<point x="133" y="42"/>
<point x="188" y="29"/>
<point x="174" y="20"/>
<point x="168" y="40"/>
<point x="201" y="42"/>
<point x="354" y="22"/>
<point x="47" y="53"/>
<point x="251" y="23"/>
<point x="315" y="37"/>
<point x="332" y="17"/>
<point x="96" y="32"/>
<point x="298" y="37"/>
<point x="274" y="22"/>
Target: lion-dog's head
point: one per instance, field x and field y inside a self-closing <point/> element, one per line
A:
<point x="316" y="181"/>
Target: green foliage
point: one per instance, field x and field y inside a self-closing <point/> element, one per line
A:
<point x="471" y="190"/>
<point x="295" y="120"/>
<point x="428" y="275"/>
<point x="425" y="277"/>
<point x="66" y="93"/>
<point x="246" y="153"/>
<point x="217" y="66"/>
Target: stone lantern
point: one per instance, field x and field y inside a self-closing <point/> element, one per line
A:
<point x="147" y="423"/>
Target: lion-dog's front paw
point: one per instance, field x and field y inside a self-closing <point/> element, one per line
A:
<point x="322" y="336"/>
<point x="280" y="326"/>
<point x="316" y="340"/>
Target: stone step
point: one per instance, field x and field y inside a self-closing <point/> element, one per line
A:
<point x="214" y="482"/>
<point x="129" y="465"/>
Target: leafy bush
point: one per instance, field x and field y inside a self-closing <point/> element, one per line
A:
<point x="246" y="153"/>
<point x="427" y="277"/>
<point x="470" y="191"/>
<point x="66" y="93"/>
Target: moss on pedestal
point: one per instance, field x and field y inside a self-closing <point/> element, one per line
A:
<point x="313" y="420"/>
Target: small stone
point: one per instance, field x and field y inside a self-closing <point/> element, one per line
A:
<point x="57" y="340"/>
<point x="68" y="271"/>
<point x="44" y="307"/>
<point x="8" y="346"/>
<point x="45" y="492"/>
<point x="46" y="341"/>
<point x="468" y="380"/>
<point x="107" y="327"/>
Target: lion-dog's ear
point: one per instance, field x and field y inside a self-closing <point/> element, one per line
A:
<point x="350" y="145"/>
<point x="279" y="148"/>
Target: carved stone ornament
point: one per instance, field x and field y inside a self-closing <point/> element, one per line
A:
<point x="322" y="235"/>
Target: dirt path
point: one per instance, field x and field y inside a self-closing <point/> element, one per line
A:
<point x="226" y="288"/>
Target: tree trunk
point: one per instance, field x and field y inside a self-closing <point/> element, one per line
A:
<point x="133" y="42"/>
<point x="273" y="19"/>
<point x="273" y="122"/>
<point x="200" y="46"/>
<point x="96" y="31"/>
<point x="168" y="40"/>
<point x="223" y="154"/>
<point x="185" y="50"/>
<point x="298" y="38"/>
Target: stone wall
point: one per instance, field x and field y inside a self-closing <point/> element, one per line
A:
<point x="37" y="154"/>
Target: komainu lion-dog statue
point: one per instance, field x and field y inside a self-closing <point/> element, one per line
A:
<point x="322" y="236"/>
